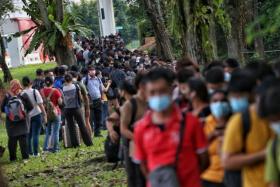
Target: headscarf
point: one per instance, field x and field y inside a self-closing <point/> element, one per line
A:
<point x="15" y="87"/>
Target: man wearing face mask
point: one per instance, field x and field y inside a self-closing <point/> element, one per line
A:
<point x="157" y="136"/>
<point x="95" y="89"/>
<point x="246" y="135"/>
<point x="215" y="79"/>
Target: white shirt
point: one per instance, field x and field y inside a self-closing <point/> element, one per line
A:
<point x="36" y="110"/>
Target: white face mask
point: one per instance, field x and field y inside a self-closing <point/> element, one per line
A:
<point x="275" y="126"/>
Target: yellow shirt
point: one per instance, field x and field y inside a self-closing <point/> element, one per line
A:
<point x="215" y="172"/>
<point x="256" y="140"/>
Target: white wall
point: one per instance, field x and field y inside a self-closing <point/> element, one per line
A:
<point x="107" y="24"/>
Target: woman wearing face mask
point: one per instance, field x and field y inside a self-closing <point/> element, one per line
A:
<point x="214" y="129"/>
<point x="198" y="95"/>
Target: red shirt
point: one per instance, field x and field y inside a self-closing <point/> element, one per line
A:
<point x="158" y="147"/>
<point x="54" y="98"/>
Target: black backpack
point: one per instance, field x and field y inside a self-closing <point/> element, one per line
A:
<point x="38" y="84"/>
<point x="233" y="178"/>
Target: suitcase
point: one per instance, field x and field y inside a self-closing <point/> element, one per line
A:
<point x="66" y="135"/>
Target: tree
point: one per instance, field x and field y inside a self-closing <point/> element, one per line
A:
<point x="6" y="6"/>
<point x="53" y="29"/>
<point x="88" y="13"/>
<point x="154" y="11"/>
<point x="194" y="23"/>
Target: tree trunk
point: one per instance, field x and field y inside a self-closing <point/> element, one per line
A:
<point x="235" y="42"/>
<point x="190" y="36"/>
<point x="154" y="12"/>
<point x="59" y="11"/>
<point x="258" y="42"/>
<point x="64" y="56"/>
<point x="44" y="13"/>
<point x="7" y="74"/>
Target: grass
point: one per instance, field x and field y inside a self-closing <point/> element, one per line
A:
<point x="28" y="70"/>
<point x="85" y="166"/>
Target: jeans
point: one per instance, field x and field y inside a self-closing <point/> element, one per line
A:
<point x="105" y="113"/>
<point x="96" y="116"/>
<point x="135" y="178"/>
<point x="34" y="133"/>
<point x="76" y="115"/>
<point x="52" y="135"/>
<point x="12" y="146"/>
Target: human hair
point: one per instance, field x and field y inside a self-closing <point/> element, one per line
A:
<point x="270" y="102"/>
<point x="184" y="75"/>
<point x="186" y="62"/>
<point x="39" y="72"/>
<point x="46" y="72"/>
<point x="215" y="75"/>
<point x="161" y="73"/>
<point x="116" y="65"/>
<point x="128" y="87"/>
<point x="74" y="68"/>
<point x="231" y="62"/>
<point x="199" y="87"/>
<point x="242" y="81"/>
<point x="68" y="78"/>
<point x="259" y="69"/>
<point x="26" y="81"/>
<point x="61" y="71"/>
<point x="55" y="70"/>
<point x="139" y="79"/>
<point x="49" y="81"/>
<point x="74" y="74"/>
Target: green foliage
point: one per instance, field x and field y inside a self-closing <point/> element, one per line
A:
<point x="6" y="6"/>
<point x="270" y="24"/>
<point x="87" y="14"/>
<point x="58" y="34"/>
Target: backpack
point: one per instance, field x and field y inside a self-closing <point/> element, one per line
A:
<point x="112" y="149"/>
<point x="166" y="176"/>
<point x="15" y="110"/>
<point x="234" y="178"/>
<point x="58" y="83"/>
<point x="49" y="106"/>
<point x="72" y="98"/>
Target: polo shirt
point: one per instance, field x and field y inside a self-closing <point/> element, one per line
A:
<point x="256" y="141"/>
<point x="158" y="147"/>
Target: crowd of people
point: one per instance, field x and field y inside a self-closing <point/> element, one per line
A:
<point x="172" y="124"/>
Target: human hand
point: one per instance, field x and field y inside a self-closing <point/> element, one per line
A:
<point x="114" y="136"/>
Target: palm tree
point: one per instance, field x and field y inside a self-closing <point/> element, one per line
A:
<point x="53" y="28"/>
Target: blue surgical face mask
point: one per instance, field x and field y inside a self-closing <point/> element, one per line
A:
<point x="210" y="91"/>
<point x="220" y="109"/>
<point x="275" y="126"/>
<point x="239" y="104"/>
<point x="159" y="103"/>
<point x="227" y="77"/>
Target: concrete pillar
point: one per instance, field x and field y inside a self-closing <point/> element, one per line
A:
<point x="106" y="17"/>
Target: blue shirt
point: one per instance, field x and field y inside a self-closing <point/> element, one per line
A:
<point x="94" y="87"/>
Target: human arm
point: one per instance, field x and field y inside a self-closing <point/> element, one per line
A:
<point x="105" y="89"/>
<point x="126" y="114"/>
<point x="233" y="156"/>
<point x="200" y="145"/>
<point x="110" y="122"/>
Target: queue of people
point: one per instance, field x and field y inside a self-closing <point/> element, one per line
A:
<point x="171" y="125"/>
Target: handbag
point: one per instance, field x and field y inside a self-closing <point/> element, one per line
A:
<point x="166" y="176"/>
